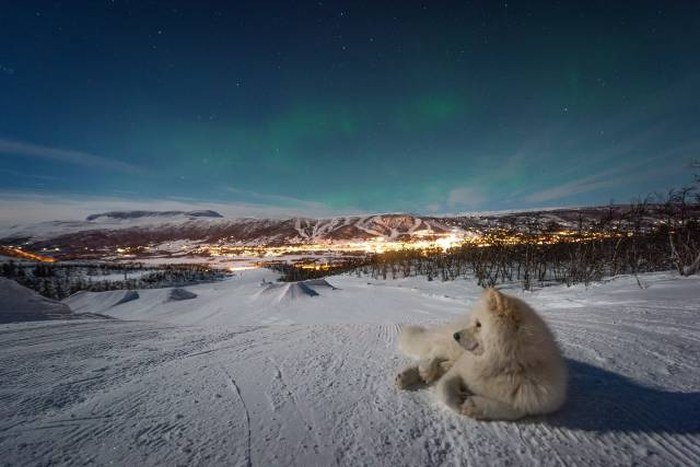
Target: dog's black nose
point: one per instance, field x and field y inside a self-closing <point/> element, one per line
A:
<point x="456" y="336"/>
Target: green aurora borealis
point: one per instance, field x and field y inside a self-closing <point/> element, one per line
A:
<point x="338" y="107"/>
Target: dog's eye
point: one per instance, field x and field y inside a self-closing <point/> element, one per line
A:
<point x="478" y="324"/>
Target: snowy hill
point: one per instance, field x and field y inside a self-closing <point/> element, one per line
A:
<point x="248" y="374"/>
<point x="18" y="303"/>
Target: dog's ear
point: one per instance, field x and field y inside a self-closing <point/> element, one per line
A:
<point x="501" y="305"/>
<point x="493" y="299"/>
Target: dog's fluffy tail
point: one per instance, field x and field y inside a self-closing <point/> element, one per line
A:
<point x="415" y="341"/>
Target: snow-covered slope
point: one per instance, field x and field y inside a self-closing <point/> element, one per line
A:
<point x="18" y="303"/>
<point x="240" y="391"/>
<point x="254" y="298"/>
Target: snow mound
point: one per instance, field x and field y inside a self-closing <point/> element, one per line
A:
<point x="320" y="283"/>
<point x="18" y="303"/>
<point x="289" y="291"/>
<point x="127" y="296"/>
<point x="181" y="294"/>
<point x="81" y="302"/>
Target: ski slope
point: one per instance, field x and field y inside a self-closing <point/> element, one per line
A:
<point x="243" y="375"/>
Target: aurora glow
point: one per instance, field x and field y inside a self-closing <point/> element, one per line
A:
<point x="339" y="107"/>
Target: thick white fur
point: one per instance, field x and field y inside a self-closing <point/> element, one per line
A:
<point x="505" y="365"/>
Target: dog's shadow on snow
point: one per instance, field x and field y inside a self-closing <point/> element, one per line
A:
<point x="602" y="401"/>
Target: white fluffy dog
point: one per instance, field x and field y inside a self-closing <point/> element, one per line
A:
<point x="501" y="363"/>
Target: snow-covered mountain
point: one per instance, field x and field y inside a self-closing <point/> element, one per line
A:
<point x="141" y="228"/>
<point x="138" y="229"/>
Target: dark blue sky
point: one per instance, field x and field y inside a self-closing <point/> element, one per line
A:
<point x="325" y="107"/>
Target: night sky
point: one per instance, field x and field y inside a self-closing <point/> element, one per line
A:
<point x="346" y="107"/>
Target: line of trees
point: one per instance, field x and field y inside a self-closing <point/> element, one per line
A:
<point x="58" y="281"/>
<point x="682" y="221"/>
<point x="294" y="273"/>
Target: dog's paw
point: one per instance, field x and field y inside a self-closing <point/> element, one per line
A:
<point x="428" y="374"/>
<point x="446" y="366"/>
<point x="408" y="378"/>
<point x="470" y="409"/>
